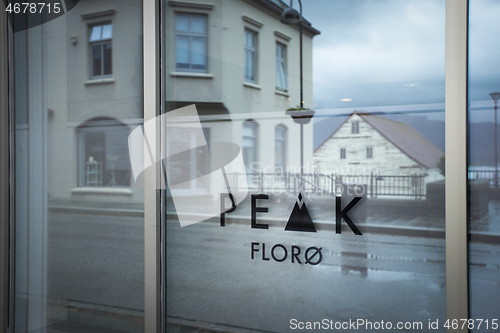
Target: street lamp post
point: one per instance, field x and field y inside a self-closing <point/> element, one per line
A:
<point x="495" y="97"/>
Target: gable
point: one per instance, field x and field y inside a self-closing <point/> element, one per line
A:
<point x="404" y="137"/>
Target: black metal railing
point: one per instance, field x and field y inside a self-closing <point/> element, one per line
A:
<point x="332" y="184"/>
<point x="483" y="174"/>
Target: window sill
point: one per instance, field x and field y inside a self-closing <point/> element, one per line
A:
<point x="99" y="81"/>
<point x="251" y="85"/>
<point x="193" y="75"/>
<point x="282" y="93"/>
<point x="103" y="190"/>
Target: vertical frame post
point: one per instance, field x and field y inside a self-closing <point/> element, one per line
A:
<point x="457" y="299"/>
<point x="152" y="245"/>
<point x="4" y="172"/>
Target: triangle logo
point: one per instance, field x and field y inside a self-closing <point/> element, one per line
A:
<point x="300" y="220"/>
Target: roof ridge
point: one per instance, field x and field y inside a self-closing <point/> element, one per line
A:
<point x="364" y="114"/>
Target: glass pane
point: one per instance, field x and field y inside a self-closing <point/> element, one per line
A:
<point x="198" y="24"/>
<point x="249" y="38"/>
<point x="181" y="22"/>
<point x="249" y="70"/>
<point x="182" y="52"/>
<point x="79" y="263"/>
<point x="281" y="75"/>
<point x="97" y="60"/>
<point x="96" y="33"/>
<point x="108" y="56"/>
<point x="484" y="88"/>
<point x="311" y="226"/>
<point x="198" y="48"/>
<point x="107" y="31"/>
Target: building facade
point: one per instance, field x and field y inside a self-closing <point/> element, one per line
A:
<point x="366" y="144"/>
<point x="242" y="73"/>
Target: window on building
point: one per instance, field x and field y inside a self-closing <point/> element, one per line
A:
<point x="342" y="153"/>
<point x="193" y="164"/>
<point x="191" y="42"/>
<point x="369" y="152"/>
<point x="249" y="144"/>
<point x="103" y="158"/>
<point x="250" y="56"/>
<point x="355" y="127"/>
<point x="281" y="76"/>
<point x="280" y="148"/>
<point x="101" y="50"/>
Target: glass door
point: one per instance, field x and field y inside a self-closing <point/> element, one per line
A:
<point x="328" y="210"/>
<point x="484" y="87"/>
<point x="78" y="221"/>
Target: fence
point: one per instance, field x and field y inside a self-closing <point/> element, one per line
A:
<point x="483" y="174"/>
<point x="322" y="184"/>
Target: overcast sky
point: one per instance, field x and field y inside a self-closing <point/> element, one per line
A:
<point x="391" y="52"/>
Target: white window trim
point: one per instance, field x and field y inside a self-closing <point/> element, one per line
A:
<point x="255" y="137"/>
<point x="101" y="42"/>
<point x="344" y="151"/>
<point x="369" y="152"/>
<point x="355" y="127"/>
<point x="190" y="34"/>
<point x="284" y="140"/>
<point x="282" y="60"/>
<point x="253" y="22"/>
<point x="254" y="51"/>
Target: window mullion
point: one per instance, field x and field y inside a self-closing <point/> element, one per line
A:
<point x="456" y="160"/>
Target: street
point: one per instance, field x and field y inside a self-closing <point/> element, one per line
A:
<point x="96" y="263"/>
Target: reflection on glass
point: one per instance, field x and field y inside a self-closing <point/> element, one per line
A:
<point x="484" y="85"/>
<point x="190" y="46"/>
<point x="79" y="217"/>
<point x="287" y="252"/>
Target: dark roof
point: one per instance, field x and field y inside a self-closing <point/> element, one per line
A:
<point x="403" y="136"/>
<point x="324" y="129"/>
<point x="277" y="7"/>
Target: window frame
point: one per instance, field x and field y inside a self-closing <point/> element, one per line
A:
<point x="282" y="60"/>
<point x="355" y="127"/>
<point x="343" y="153"/>
<point x="101" y="42"/>
<point x="190" y="34"/>
<point x="282" y="141"/>
<point x="104" y="126"/>
<point x="254" y="51"/>
<point x="254" y="126"/>
<point x="369" y="152"/>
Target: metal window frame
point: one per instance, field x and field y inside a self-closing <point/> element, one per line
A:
<point x="153" y="299"/>
<point x="4" y="172"/>
<point x="456" y="47"/>
<point x="456" y="167"/>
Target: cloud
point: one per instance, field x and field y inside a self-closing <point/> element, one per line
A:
<point x="376" y="42"/>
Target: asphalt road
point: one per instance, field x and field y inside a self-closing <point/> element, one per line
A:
<point x="212" y="278"/>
